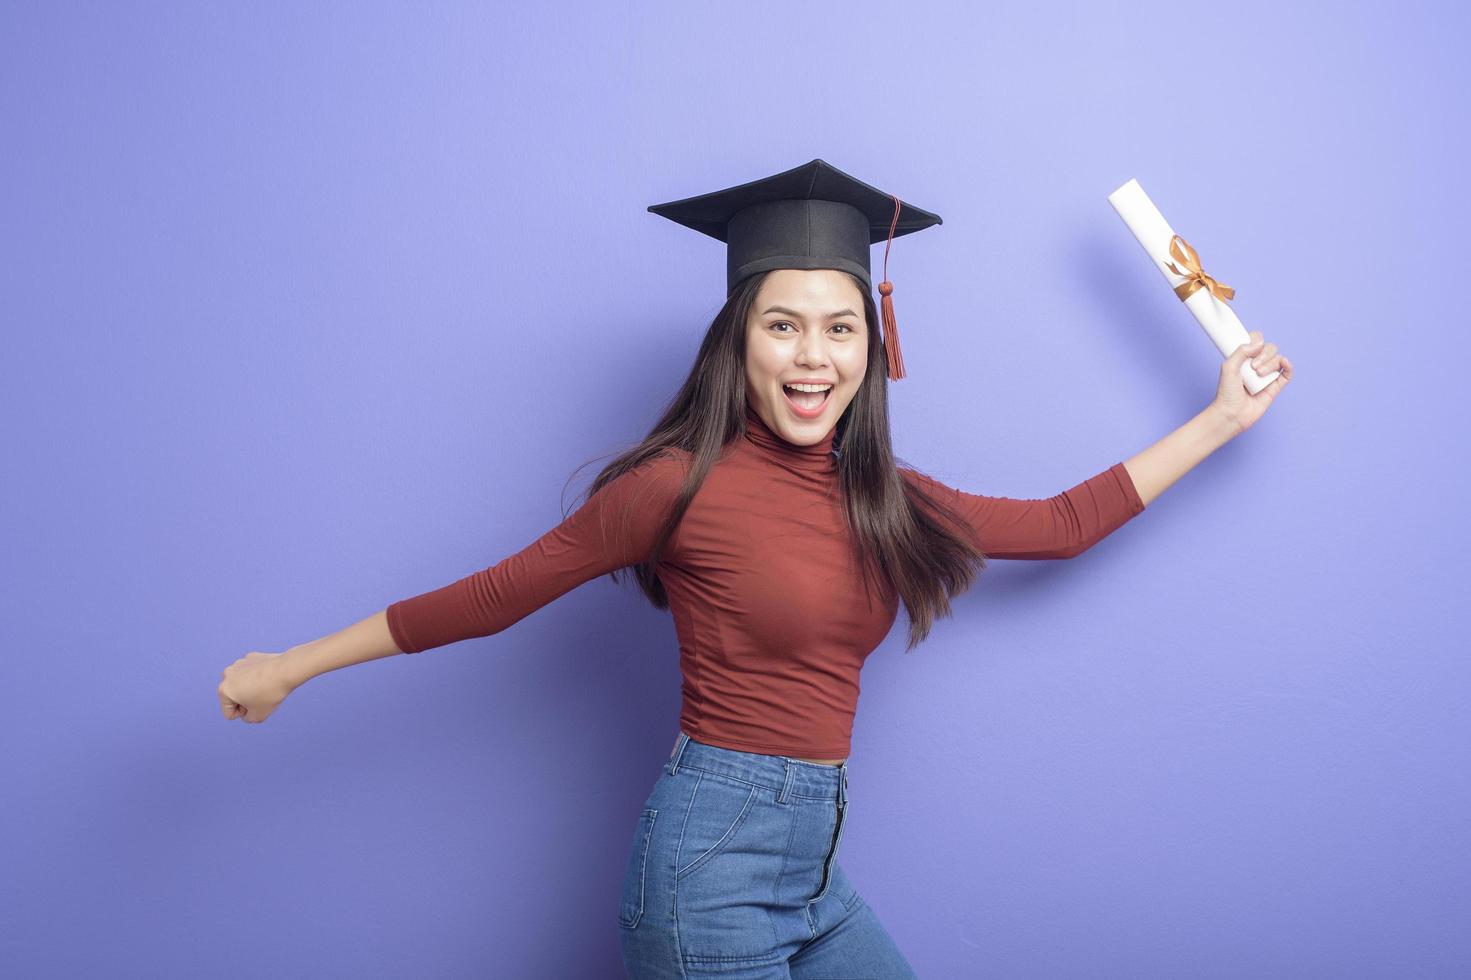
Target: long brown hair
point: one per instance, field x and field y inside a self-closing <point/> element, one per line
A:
<point x="900" y="533"/>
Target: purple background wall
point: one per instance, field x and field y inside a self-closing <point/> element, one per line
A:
<point x="307" y="310"/>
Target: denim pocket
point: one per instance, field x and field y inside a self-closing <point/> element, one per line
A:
<point x="717" y="809"/>
<point x="631" y="904"/>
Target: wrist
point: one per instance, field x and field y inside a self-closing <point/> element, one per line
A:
<point x="298" y="664"/>
<point x="1216" y="420"/>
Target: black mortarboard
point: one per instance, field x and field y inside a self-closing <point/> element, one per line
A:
<point x="810" y="217"/>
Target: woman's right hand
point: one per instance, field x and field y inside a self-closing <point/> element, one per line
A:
<point x="253" y="686"/>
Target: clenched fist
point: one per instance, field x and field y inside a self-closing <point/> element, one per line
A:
<point x="1232" y="398"/>
<point x="253" y="686"/>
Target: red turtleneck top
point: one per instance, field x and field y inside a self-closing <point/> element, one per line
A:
<point x="764" y="586"/>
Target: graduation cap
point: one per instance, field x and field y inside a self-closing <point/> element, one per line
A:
<point x="810" y="217"/>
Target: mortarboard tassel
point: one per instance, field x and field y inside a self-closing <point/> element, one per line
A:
<point x="891" y="326"/>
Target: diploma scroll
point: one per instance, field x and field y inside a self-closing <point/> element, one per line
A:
<point x="1204" y="297"/>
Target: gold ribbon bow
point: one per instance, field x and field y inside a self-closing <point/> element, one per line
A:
<point x="1195" y="276"/>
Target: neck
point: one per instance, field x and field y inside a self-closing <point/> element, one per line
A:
<point x="816" y="458"/>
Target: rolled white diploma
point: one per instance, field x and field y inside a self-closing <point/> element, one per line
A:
<point x="1215" y="316"/>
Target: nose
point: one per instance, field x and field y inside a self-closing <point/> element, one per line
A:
<point x="812" y="350"/>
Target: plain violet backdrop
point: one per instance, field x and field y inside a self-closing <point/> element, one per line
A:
<point x="309" y="308"/>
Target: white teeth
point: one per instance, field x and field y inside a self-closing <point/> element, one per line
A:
<point x="808" y="387"/>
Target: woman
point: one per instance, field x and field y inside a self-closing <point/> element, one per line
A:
<point x="766" y="511"/>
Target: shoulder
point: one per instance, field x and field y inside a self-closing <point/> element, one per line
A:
<point x="923" y="483"/>
<point x="672" y="464"/>
<point x="912" y="476"/>
<point x="655" y="480"/>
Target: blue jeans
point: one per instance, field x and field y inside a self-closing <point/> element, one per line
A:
<point x="734" y="873"/>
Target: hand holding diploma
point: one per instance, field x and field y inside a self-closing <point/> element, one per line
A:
<point x="1205" y="297"/>
<point x="1232" y="400"/>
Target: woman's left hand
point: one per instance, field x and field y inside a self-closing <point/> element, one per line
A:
<point x="1232" y="399"/>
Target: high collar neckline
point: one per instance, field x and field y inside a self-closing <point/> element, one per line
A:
<point x="816" y="458"/>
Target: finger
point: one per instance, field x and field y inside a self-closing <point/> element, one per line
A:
<point x="1233" y="363"/>
<point x="1279" y="364"/>
<point x="1263" y="356"/>
<point x="1268" y="393"/>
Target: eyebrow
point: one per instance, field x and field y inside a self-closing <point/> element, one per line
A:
<point x="783" y="309"/>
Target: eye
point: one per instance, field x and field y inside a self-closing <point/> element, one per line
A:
<point x="783" y="323"/>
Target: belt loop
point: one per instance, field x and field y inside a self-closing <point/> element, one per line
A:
<point x="843" y="783"/>
<point x="673" y="764"/>
<point x="786" y="785"/>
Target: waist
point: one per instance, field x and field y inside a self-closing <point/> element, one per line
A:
<point x="812" y="778"/>
<point x="816" y="762"/>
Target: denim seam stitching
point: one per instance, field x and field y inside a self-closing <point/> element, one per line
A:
<point x="763" y="959"/>
<point x="785" y="855"/>
<point x="684" y="827"/>
<point x="674" y="888"/>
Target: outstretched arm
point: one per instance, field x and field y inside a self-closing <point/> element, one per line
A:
<point x="615" y="528"/>
<point x="593" y="541"/>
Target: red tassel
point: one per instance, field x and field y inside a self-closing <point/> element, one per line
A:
<point x="891" y="332"/>
<point x="886" y="305"/>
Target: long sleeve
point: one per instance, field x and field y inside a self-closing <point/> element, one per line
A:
<point x="614" y="529"/>
<point x="1062" y="526"/>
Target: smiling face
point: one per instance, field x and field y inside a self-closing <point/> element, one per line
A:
<point x="805" y="325"/>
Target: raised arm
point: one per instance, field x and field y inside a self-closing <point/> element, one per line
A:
<point x="1061" y="526"/>
<point x="1156" y="468"/>
<point x="1230" y="413"/>
<point x="1073" y="521"/>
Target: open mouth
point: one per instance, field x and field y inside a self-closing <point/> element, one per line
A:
<point x="806" y="402"/>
